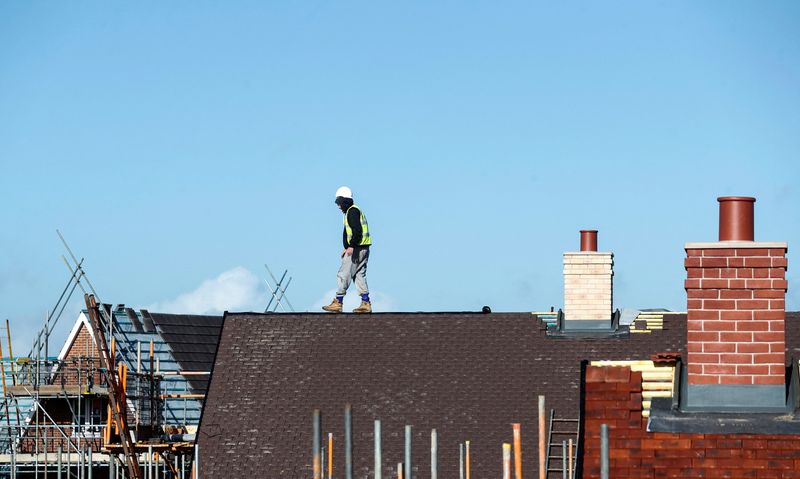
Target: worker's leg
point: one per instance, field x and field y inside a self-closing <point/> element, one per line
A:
<point x="344" y="276"/>
<point x="360" y="258"/>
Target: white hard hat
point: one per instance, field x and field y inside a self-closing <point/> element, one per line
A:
<point x="344" y="192"/>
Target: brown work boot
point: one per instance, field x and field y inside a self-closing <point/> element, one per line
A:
<point x="366" y="307"/>
<point x="334" y="307"/>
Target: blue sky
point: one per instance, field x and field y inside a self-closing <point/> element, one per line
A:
<point x="181" y="145"/>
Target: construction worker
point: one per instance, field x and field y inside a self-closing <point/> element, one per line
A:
<point x="356" y="240"/>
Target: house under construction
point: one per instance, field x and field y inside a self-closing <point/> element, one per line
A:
<point x="122" y="398"/>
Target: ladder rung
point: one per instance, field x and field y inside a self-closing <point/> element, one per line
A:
<point x="558" y="445"/>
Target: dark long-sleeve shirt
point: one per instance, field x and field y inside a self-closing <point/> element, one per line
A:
<point x="354" y="220"/>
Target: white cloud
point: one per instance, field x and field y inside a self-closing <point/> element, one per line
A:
<point x="381" y="302"/>
<point x="237" y="289"/>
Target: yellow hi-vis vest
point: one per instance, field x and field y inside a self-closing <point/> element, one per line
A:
<point x="366" y="239"/>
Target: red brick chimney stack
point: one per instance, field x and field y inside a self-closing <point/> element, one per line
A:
<point x="736" y="291"/>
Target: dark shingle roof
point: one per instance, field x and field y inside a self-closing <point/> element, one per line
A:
<point x="193" y="340"/>
<point x="180" y="343"/>
<point x="467" y="375"/>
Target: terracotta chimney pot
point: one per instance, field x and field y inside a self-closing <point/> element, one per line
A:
<point x="589" y="240"/>
<point x="736" y="218"/>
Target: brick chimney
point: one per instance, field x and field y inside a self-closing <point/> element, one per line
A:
<point x="588" y="285"/>
<point x="736" y="289"/>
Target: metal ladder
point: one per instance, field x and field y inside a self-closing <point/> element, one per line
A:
<point x="561" y="430"/>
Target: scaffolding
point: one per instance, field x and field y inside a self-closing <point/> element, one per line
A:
<point x="82" y="414"/>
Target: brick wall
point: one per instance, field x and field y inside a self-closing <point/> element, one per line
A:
<point x="588" y="285"/>
<point x="613" y="397"/>
<point x="736" y="304"/>
<point x="83" y="356"/>
<point x="80" y="361"/>
<point x="50" y="439"/>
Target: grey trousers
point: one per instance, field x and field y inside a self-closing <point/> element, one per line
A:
<point x="354" y="267"/>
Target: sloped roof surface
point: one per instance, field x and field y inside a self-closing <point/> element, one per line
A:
<point x="468" y="375"/>
<point x="180" y="342"/>
<point x="193" y="341"/>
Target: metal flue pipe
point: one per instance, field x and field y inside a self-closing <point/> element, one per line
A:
<point x="377" y="449"/>
<point x="315" y="447"/>
<point x="197" y="457"/>
<point x="604" y="451"/>
<point x="466" y="461"/>
<point x="434" y="452"/>
<point x="460" y="460"/>
<point x="542" y="452"/>
<point x="506" y="460"/>
<point x="348" y="441"/>
<point x="407" y="468"/>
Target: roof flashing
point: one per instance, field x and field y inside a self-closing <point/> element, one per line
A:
<point x="588" y="328"/>
<point x="744" y="411"/>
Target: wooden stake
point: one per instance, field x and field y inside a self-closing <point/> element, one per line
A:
<point x="152" y="354"/>
<point x="517" y="451"/>
<point x="114" y="351"/>
<point x="11" y="355"/>
<point x="182" y="396"/>
<point x="569" y="464"/>
<point x="330" y="455"/>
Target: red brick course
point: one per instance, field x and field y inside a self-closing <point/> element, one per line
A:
<point x="81" y="356"/>
<point x="736" y="297"/>
<point x="636" y="453"/>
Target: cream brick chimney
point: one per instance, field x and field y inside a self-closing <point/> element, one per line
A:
<point x="588" y="285"/>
